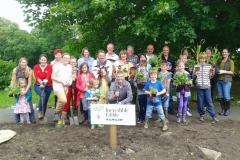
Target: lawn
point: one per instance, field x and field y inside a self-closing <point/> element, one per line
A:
<point x="6" y="101"/>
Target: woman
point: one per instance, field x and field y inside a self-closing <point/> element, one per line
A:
<point x="122" y="65"/>
<point x="25" y="72"/>
<point x="225" y="71"/>
<point x="62" y="79"/>
<point x="85" y="58"/>
<point x="43" y="84"/>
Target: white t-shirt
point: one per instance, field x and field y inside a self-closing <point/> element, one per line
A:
<point x="63" y="73"/>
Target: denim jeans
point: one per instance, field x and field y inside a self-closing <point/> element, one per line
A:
<point x="204" y="98"/>
<point x="224" y="89"/>
<point x="142" y="100"/>
<point x="165" y="102"/>
<point x="159" y="111"/>
<point x="45" y="95"/>
<point x="170" y="106"/>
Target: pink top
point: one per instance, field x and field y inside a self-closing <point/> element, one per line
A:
<point x="81" y="84"/>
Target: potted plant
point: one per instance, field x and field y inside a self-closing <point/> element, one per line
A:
<point x="153" y="92"/>
<point x="182" y="81"/>
<point x="141" y="80"/>
<point x="13" y="91"/>
<point x="190" y="64"/>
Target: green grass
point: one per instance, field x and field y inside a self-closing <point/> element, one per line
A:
<point x="6" y="101"/>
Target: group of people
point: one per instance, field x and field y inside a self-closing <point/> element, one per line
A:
<point x="123" y="79"/>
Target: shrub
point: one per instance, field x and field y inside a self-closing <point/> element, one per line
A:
<point x="5" y="72"/>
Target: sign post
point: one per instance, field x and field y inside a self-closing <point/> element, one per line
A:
<point x="113" y="115"/>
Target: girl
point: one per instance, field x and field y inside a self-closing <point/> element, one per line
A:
<point x="25" y="72"/>
<point x="143" y="59"/>
<point x="183" y="93"/>
<point x="103" y="80"/>
<point x="225" y="71"/>
<point x="122" y="64"/>
<point x="203" y="72"/>
<point x="72" y="91"/>
<point x="22" y="103"/>
<point x="62" y="79"/>
<point x="43" y="84"/>
<point x="82" y="85"/>
<point x="139" y="84"/>
<point x="92" y="97"/>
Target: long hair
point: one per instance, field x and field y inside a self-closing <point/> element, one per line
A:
<point x="27" y="69"/>
<point x="83" y="64"/>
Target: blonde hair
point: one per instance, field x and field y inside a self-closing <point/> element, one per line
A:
<point x="203" y="55"/>
<point x="28" y="69"/>
<point x="22" y="80"/>
<point x="153" y="71"/>
<point x="93" y="82"/>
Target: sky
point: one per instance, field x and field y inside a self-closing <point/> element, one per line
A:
<point x="11" y="10"/>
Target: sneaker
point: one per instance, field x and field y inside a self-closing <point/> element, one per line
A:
<point x="201" y="118"/>
<point x="189" y="114"/>
<point x="40" y="115"/>
<point x="215" y="119"/>
<point x="56" y="117"/>
<point x="184" y="120"/>
<point x="59" y="124"/>
<point x="179" y="120"/>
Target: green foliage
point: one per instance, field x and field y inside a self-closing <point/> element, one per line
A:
<point x="196" y="50"/>
<point x="182" y="79"/>
<point x="153" y="91"/>
<point x="13" y="90"/>
<point x="140" y="76"/>
<point x="5" y="72"/>
<point x="160" y="77"/>
<point x="216" y="55"/>
<point x="191" y="63"/>
<point x="155" y="61"/>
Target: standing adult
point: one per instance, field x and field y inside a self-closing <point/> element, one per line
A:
<point x="100" y="62"/>
<point x="171" y="65"/>
<point x="131" y="56"/>
<point x="225" y="71"/>
<point x="23" y="71"/>
<point x="86" y="58"/>
<point x="58" y="56"/>
<point x="43" y="84"/>
<point x="62" y="79"/>
<point x="120" y="90"/>
<point x="122" y="64"/>
<point x="111" y="55"/>
<point x="150" y="50"/>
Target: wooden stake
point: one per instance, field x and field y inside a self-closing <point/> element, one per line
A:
<point x="113" y="137"/>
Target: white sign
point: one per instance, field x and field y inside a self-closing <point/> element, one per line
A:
<point x="113" y="114"/>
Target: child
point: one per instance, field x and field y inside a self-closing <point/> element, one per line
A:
<point x="183" y="93"/>
<point x="140" y="80"/>
<point x="166" y="77"/>
<point x="82" y="85"/>
<point x="203" y="72"/>
<point x="154" y="89"/>
<point x="92" y="97"/>
<point x="22" y="103"/>
<point x="103" y="80"/>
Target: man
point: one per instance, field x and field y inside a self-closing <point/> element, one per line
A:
<point x="102" y="62"/>
<point x="111" y="55"/>
<point x="171" y="66"/>
<point x="120" y="90"/>
<point x="150" y="50"/>
<point x="131" y="56"/>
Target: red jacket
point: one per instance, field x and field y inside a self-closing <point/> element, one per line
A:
<point x="45" y="74"/>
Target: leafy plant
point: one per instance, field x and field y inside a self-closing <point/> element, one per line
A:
<point x="197" y="49"/>
<point x="155" y="61"/>
<point x="153" y="91"/>
<point x="182" y="79"/>
<point x="215" y="56"/>
<point x="13" y="90"/>
<point x="191" y="63"/>
<point x="141" y="77"/>
<point x="160" y="77"/>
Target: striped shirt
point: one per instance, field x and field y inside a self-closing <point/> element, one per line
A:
<point x="203" y="76"/>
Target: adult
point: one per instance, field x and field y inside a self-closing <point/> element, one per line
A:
<point x="58" y="56"/>
<point x="100" y="62"/>
<point x="171" y="65"/>
<point x="111" y="55"/>
<point x="225" y="71"/>
<point x="62" y="79"/>
<point x="122" y="64"/>
<point x="86" y="58"/>
<point x="150" y="50"/>
<point x="131" y="56"/>
<point x="23" y="71"/>
<point x="120" y="90"/>
<point x="43" y="84"/>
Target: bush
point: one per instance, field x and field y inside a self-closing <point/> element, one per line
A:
<point x="5" y="72"/>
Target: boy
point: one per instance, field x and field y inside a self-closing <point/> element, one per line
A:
<point x="154" y="89"/>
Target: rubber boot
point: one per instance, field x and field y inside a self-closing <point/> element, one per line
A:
<point x="64" y="117"/>
<point x="165" y="127"/>
<point x="222" y="105"/>
<point x="146" y="122"/>
<point x="227" y="107"/>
